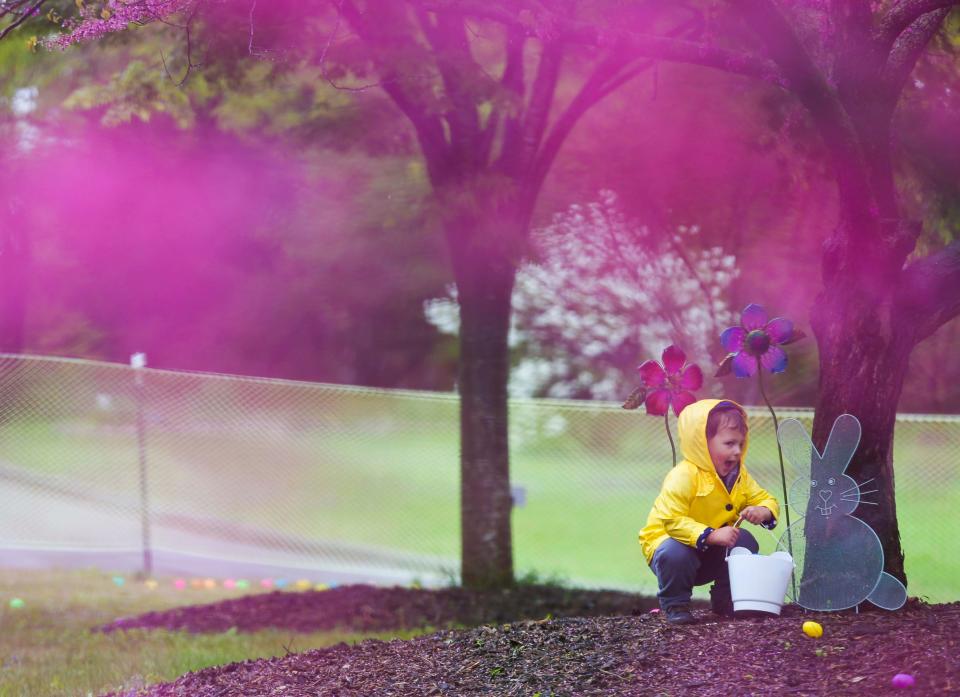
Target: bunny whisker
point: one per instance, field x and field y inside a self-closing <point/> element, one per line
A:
<point x="860" y="485"/>
<point x="853" y="493"/>
<point x="868" y="503"/>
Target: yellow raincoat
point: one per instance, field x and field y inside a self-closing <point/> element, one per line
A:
<point x="693" y="496"/>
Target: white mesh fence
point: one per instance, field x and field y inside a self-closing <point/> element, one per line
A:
<point x="228" y="476"/>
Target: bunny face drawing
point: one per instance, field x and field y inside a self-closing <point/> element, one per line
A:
<point x="834" y="495"/>
<point x="840" y="556"/>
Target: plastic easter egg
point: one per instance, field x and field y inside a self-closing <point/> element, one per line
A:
<point x="266" y="583"/>
<point x="243" y="583"/>
<point x="16" y="603"/>
<point x="209" y="583"/>
<point x="151" y="584"/>
<point x="281" y="583"/>
<point x="321" y="587"/>
<point x="229" y="584"/>
<point x="303" y="584"/>
<point x="179" y="584"/>
<point x="902" y="681"/>
<point x="119" y="580"/>
<point x="813" y="629"/>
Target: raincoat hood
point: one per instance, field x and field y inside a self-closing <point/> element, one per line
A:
<point x="693" y="499"/>
<point x="692" y="426"/>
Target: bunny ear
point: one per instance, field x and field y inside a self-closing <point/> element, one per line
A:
<point x="841" y="445"/>
<point x="797" y="446"/>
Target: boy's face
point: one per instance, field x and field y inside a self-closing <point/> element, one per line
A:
<point x="725" y="448"/>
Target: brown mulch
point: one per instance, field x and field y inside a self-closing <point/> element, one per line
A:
<point x="369" y="608"/>
<point x="638" y="654"/>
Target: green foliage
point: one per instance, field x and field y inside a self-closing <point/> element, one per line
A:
<point x="533" y="577"/>
<point x="136" y="93"/>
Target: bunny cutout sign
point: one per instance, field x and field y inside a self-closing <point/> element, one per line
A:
<point x="838" y="555"/>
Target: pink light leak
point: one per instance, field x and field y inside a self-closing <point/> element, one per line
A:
<point x="695" y="147"/>
<point x="164" y="222"/>
<point x="146" y="228"/>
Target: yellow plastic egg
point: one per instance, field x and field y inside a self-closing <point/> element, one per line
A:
<point x="812" y="629"/>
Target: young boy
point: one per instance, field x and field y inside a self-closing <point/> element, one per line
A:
<point x="691" y="524"/>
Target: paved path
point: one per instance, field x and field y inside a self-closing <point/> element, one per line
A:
<point x="45" y="524"/>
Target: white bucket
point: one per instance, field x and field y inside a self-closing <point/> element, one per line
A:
<point x="757" y="581"/>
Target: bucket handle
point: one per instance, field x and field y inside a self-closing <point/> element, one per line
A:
<point x="740" y="520"/>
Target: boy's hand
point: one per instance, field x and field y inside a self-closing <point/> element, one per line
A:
<point x="756" y="514"/>
<point x="724" y="537"/>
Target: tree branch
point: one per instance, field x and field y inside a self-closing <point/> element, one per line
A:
<point x="189" y="45"/>
<point x="609" y="75"/>
<point x="512" y="84"/>
<point x="480" y="10"/>
<point x="428" y="126"/>
<point x="710" y="57"/>
<point x="541" y="99"/>
<point x="908" y="48"/>
<point x="929" y="292"/>
<point x="902" y="15"/>
<point x="590" y="93"/>
<point x="452" y="55"/>
<point x="568" y="30"/>
<point x="23" y="18"/>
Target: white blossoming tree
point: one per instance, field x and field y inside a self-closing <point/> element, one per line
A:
<point x="604" y="294"/>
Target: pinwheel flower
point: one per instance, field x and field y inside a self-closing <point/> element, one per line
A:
<point x="669" y="384"/>
<point x="757" y="342"/>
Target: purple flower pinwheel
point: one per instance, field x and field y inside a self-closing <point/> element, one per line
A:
<point x="757" y="342"/>
<point x="672" y="383"/>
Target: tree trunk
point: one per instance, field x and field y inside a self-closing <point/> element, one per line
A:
<point x="14" y="263"/>
<point x="864" y="352"/>
<point x="485" y="276"/>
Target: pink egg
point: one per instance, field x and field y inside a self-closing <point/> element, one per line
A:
<point x="229" y="583"/>
<point x="903" y="680"/>
<point x="179" y="584"/>
<point x="266" y="583"/>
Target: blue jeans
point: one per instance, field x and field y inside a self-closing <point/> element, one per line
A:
<point x="679" y="568"/>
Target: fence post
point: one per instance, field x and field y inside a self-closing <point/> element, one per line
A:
<point x="138" y="361"/>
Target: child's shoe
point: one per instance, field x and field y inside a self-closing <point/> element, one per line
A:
<point x="679" y="614"/>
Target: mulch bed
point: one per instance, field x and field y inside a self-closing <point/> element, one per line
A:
<point x="369" y="608"/>
<point x="632" y="653"/>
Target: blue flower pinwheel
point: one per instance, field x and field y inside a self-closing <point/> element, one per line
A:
<point x="756" y="343"/>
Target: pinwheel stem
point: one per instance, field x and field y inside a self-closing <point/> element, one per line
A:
<point x="783" y="473"/>
<point x="666" y="425"/>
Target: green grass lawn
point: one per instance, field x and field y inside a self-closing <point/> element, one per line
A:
<point x="383" y="471"/>
<point x="47" y="646"/>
